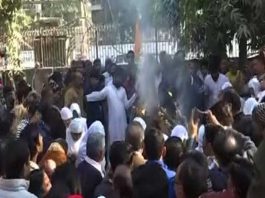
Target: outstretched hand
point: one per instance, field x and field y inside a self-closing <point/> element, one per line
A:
<point x="211" y="119"/>
<point x="193" y="125"/>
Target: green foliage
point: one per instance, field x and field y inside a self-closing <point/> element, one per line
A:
<point x="68" y="10"/>
<point x="13" y="21"/>
<point x="19" y="22"/>
<point x="210" y="25"/>
<point x="7" y="10"/>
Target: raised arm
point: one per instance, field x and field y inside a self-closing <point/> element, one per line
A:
<point x="97" y="95"/>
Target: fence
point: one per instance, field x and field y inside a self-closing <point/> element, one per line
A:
<point x="57" y="47"/>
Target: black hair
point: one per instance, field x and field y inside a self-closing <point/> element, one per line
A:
<point x="150" y="181"/>
<point x="198" y="157"/>
<point x="135" y="135"/>
<point x="57" y="77"/>
<point x="7" y="90"/>
<point x="16" y="155"/>
<point x="32" y="99"/>
<point x="223" y="113"/>
<point x="241" y="172"/>
<point x="153" y="144"/>
<point x="119" y="72"/>
<point x="193" y="177"/>
<point x="130" y="52"/>
<point x="214" y="63"/>
<point x="122" y="182"/>
<point x="226" y="146"/>
<point x="121" y="153"/>
<point x="22" y="90"/>
<point x="36" y="179"/>
<point x="96" y="62"/>
<point x="30" y="134"/>
<point x="211" y="131"/>
<point x="66" y="175"/>
<point x="2" y="151"/>
<point x="174" y="152"/>
<point x="34" y="107"/>
<point x="59" y="190"/>
<point x="6" y="121"/>
<point x="230" y="96"/>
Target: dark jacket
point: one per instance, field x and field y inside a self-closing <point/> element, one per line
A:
<point x="94" y="110"/>
<point x="90" y="178"/>
<point x="257" y="188"/>
<point x="105" y="188"/>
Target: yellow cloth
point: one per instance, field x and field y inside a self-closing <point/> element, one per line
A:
<point x="236" y="79"/>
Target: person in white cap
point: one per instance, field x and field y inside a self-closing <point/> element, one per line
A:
<point x="249" y="106"/>
<point x="95" y="127"/>
<point x="140" y="121"/>
<point x="66" y="115"/>
<point x="76" y="111"/>
<point x="180" y="132"/>
<point x="74" y="136"/>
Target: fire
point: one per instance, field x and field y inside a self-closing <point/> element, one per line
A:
<point x="143" y="111"/>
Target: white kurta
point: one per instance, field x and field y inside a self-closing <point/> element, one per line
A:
<point x="117" y="105"/>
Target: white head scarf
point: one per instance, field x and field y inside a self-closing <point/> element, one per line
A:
<point x="140" y="121"/>
<point x="95" y="127"/>
<point x="76" y="126"/>
<point x="66" y="113"/>
<point x="75" y="107"/>
<point x="249" y="106"/>
<point x="180" y="132"/>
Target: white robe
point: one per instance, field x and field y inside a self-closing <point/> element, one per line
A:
<point x="117" y="105"/>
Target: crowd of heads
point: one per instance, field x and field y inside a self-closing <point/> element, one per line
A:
<point x="194" y="147"/>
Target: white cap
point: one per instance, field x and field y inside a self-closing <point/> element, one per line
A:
<point x="76" y="126"/>
<point x="226" y="85"/>
<point x="66" y="113"/>
<point x="75" y="107"/>
<point x="249" y="106"/>
<point x="96" y="127"/>
<point x="165" y="137"/>
<point x="180" y="132"/>
<point x="140" y="121"/>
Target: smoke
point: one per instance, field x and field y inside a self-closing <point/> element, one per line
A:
<point x="147" y="82"/>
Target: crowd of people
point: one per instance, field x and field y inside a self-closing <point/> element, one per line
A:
<point x="89" y="134"/>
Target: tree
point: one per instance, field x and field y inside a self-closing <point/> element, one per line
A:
<point x="13" y="21"/>
<point x="209" y="26"/>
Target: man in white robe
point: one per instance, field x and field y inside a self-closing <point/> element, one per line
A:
<point x="117" y="105"/>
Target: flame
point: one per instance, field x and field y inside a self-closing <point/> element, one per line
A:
<point x="170" y="94"/>
<point x="143" y="111"/>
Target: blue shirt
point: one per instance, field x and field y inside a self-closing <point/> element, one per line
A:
<point x="170" y="177"/>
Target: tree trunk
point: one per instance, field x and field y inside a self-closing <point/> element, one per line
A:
<point x="242" y="52"/>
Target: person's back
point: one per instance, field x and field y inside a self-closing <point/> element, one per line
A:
<point x="135" y="137"/>
<point x="120" y="154"/>
<point x="257" y="186"/>
<point x="90" y="170"/>
<point x="14" y="184"/>
<point x="150" y="181"/>
<point x="155" y="149"/>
